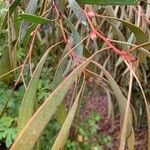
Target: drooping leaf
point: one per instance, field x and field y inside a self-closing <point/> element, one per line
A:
<point x="76" y="39"/>
<point x="109" y="2"/>
<point x="77" y="11"/>
<point x="140" y="35"/>
<point x="144" y="96"/>
<point x="12" y="7"/>
<point x="27" y="35"/>
<point x="60" y="114"/>
<point x="131" y="140"/>
<point x="31" y="8"/>
<point x="34" y="19"/>
<point x="30" y="94"/>
<point x="5" y="65"/>
<point x="32" y="130"/>
<point x="62" y="70"/>
<point x="62" y="136"/>
<point x="121" y="100"/>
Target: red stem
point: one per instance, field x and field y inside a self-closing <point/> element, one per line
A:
<point x="122" y="54"/>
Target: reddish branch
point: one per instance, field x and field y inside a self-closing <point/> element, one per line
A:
<point x="68" y="45"/>
<point x="94" y="33"/>
<point x="28" y="55"/>
<point x="101" y="36"/>
<point x="66" y="40"/>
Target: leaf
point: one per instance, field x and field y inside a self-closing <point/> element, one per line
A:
<point x="27" y="35"/>
<point x="141" y="48"/>
<point x="147" y="111"/>
<point x="34" y="19"/>
<point x="11" y="134"/>
<point x="16" y="23"/>
<point x="34" y="127"/>
<point x="140" y="35"/>
<point x="121" y="100"/>
<point x="131" y="140"/>
<point x="60" y="114"/>
<point x="12" y="7"/>
<point x="59" y="74"/>
<point x="30" y="93"/>
<point x="76" y="39"/>
<point x="109" y="2"/>
<point x="62" y="70"/>
<point x="5" y="66"/>
<point x="127" y="114"/>
<point x="31" y="8"/>
<point x="6" y="121"/>
<point x="6" y="131"/>
<point x="77" y="11"/>
<point x="62" y="136"/>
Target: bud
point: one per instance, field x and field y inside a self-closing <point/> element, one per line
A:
<point x="91" y="14"/>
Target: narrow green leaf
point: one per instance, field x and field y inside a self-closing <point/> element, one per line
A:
<point x="27" y="35"/>
<point x="14" y="4"/>
<point x="34" y="19"/>
<point x="61" y="114"/>
<point x="62" y="70"/>
<point x="62" y="136"/>
<point x="16" y="23"/>
<point x="5" y="65"/>
<point x="109" y="2"/>
<point x="145" y="99"/>
<point x="31" y="8"/>
<point x="32" y="130"/>
<point x="26" y="108"/>
<point x="121" y="100"/>
<point x="76" y="38"/>
<point x="146" y="106"/>
<point x="140" y="35"/>
<point x="12" y="7"/>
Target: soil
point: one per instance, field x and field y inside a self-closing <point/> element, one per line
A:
<point x="96" y="100"/>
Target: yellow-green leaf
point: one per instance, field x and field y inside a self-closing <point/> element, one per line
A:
<point x="33" y="128"/>
<point x="62" y="136"/>
<point x="26" y="108"/>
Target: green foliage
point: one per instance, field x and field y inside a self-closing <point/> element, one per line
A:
<point x="109" y="2"/>
<point x="3" y="11"/>
<point x="4" y="92"/>
<point x="51" y="50"/>
<point x="7" y="132"/>
<point x="49" y="132"/>
<point x="33" y="19"/>
<point x="21" y="54"/>
<point x="87" y="137"/>
<point x="3" y="44"/>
